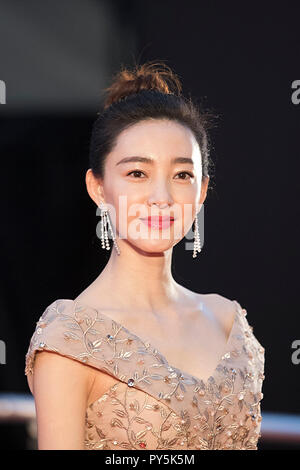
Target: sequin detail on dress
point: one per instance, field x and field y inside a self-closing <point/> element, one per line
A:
<point x="154" y="405"/>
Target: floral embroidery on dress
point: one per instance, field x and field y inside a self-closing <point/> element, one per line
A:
<point x="154" y="405"/>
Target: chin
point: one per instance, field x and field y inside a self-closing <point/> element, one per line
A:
<point x="152" y="246"/>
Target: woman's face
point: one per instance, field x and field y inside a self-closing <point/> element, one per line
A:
<point x="154" y="182"/>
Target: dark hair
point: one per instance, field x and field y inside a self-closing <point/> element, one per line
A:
<point x="150" y="90"/>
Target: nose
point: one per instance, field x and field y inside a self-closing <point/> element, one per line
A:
<point x="160" y="197"/>
<point x="161" y="205"/>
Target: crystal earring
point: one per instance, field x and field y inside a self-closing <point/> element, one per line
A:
<point x="197" y="245"/>
<point x="104" y="222"/>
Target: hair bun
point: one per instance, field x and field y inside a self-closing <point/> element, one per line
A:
<point x="149" y="76"/>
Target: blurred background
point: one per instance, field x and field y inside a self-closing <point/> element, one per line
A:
<point x="240" y="59"/>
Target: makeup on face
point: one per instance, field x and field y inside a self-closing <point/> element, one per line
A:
<point x="158" y="222"/>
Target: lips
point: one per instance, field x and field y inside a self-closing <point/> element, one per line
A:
<point x="160" y="222"/>
<point x="158" y="218"/>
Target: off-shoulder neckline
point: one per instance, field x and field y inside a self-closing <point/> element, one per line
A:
<point x="141" y="341"/>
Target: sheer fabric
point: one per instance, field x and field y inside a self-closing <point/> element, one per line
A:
<point x="154" y="405"/>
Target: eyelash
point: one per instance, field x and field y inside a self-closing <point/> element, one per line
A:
<point x="180" y="173"/>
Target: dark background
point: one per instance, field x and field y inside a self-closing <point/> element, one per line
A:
<point x="241" y="59"/>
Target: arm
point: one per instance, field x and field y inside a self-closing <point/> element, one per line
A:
<point x="61" y="387"/>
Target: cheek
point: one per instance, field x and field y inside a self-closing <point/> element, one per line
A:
<point x="120" y="191"/>
<point x="129" y="200"/>
<point x="188" y="216"/>
<point x="129" y="207"/>
<point x="185" y="212"/>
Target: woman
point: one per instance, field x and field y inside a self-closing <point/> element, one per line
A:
<point x="136" y="360"/>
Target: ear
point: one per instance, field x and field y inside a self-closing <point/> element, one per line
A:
<point x="203" y="193"/>
<point x="94" y="187"/>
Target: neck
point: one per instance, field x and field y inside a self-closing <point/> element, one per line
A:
<point x="139" y="280"/>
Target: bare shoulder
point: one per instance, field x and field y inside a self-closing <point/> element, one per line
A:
<point x="90" y="296"/>
<point x="211" y="299"/>
<point x="223" y="301"/>
<point x="222" y="307"/>
<point x="225" y="311"/>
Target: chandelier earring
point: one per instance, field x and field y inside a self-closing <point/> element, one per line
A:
<point x="104" y="223"/>
<point x="197" y="244"/>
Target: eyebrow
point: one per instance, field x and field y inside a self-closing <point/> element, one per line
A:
<point x="150" y="161"/>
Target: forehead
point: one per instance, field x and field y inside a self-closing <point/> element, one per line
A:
<point x="157" y="137"/>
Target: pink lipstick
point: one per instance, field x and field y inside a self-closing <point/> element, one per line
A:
<point x="158" y="222"/>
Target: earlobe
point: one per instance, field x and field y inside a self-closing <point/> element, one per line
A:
<point x="101" y="196"/>
<point x="99" y="199"/>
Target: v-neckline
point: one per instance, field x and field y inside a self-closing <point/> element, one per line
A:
<point x="152" y="347"/>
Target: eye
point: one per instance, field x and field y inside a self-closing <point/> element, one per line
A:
<point x="185" y="173"/>
<point x="135" y="171"/>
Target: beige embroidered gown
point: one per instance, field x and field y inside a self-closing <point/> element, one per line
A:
<point x="154" y="405"/>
